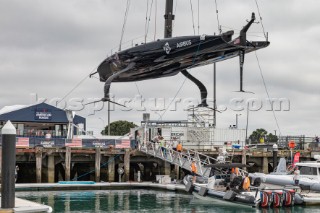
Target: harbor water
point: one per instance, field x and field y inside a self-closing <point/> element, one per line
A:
<point x="139" y="200"/>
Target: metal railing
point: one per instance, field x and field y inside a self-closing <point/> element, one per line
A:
<point x="41" y="133"/>
<point x="182" y="159"/>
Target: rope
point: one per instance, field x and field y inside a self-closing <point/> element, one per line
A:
<point x="264" y="33"/>
<point x="145" y="25"/>
<point x="124" y="23"/>
<point x="77" y="85"/>
<point x="109" y="161"/>
<point x="194" y="31"/>
<point x="198" y="17"/>
<point x="148" y="22"/>
<point x="175" y="9"/>
<point x="217" y="12"/>
<point x="137" y="88"/>
<point x="155" y="20"/>
<point x="265" y="87"/>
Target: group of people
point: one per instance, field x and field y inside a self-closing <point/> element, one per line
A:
<point x="245" y="179"/>
<point x="174" y="144"/>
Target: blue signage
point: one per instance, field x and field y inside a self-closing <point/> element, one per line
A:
<point x="43" y="114"/>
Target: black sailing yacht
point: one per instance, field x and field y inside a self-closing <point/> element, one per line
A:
<point x="169" y="56"/>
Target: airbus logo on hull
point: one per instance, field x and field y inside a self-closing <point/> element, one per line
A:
<point x="184" y="44"/>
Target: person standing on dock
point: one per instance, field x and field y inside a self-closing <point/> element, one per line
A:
<point x="234" y="173"/>
<point x="317" y="141"/>
<point x="246" y="183"/>
<point x="296" y="176"/>
<point x="194" y="171"/>
<point x="179" y="147"/>
<point x="174" y="144"/>
<point x="163" y="146"/>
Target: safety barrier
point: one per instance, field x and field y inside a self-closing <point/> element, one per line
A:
<point x="182" y="159"/>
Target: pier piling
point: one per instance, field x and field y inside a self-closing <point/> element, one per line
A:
<point x="177" y="171"/>
<point x="8" y="165"/>
<point x="97" y="164"/>
<point x="38" y="164"/>
<point x="167" y="168"/>
<point x="126" y="165"/>
<point x="68" y="163"/>
<point x="265" y="169"/>
<point x="111" y="168"/>
<point x="51" y="168"/>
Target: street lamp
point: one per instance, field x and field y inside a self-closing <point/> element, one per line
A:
<point x="237" y="120"/>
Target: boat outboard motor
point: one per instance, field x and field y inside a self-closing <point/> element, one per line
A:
<point x="277" y="199"/>
<point x="256" y="182"/>
<point x="189" y="187"/>
<point x="230" y="195"/>
<point x="235" y="183"/>
<point x="211" y="182"/>
<point x="266" y="199"/>
<point x="288" y="199"/>
<point x="298" y="199"/>
<point x="203" y="191"/>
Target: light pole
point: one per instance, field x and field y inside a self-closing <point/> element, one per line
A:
<point x="237" y="120"/>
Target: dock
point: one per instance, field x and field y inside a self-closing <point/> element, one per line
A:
<point x="50" y="165"/>
<point x="98" y="186"/>
<point x="25" y="206"/>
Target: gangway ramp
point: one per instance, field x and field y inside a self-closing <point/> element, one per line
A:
<point x="181" y="159"/>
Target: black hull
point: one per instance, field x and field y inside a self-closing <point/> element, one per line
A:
<point x="168" y="57"/>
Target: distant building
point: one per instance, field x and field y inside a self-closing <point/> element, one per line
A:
<point x="41" y="120"/>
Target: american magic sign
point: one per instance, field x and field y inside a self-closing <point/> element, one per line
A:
<point x="43" y="114"/>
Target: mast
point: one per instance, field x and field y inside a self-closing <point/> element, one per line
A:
<point x="169" y="17"/>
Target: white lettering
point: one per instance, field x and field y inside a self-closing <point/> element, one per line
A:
<point x="184" y="44"/>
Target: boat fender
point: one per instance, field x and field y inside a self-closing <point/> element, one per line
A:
<point x="203" y="191"/>
<point x="189" y="187"/>
<point x="298" y="199"/>
<point x="229" y="195"/>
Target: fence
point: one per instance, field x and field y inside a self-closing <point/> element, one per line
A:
<point x="31" y="142"/>
<point x="302" y="142"/>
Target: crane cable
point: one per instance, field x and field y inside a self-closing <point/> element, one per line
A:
<point x="145" y="25"/>
<point x="264" y="33"/>
<point x="175" y="9"/>
<point x="155" y="20"/>
<point x="124" y="23"/>
<point x="198" y="17"/>
<point x="148" y="21"/>
<point x="77" y="85"/>
<point x="217" y="12"/>
<point x="194" y="31"/>
<point x="266" y="89"/>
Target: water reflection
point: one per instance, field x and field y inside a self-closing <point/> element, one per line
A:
<point x="139" y="201"/>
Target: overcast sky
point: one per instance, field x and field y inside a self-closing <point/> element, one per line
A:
<point x="48" y="47"/>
